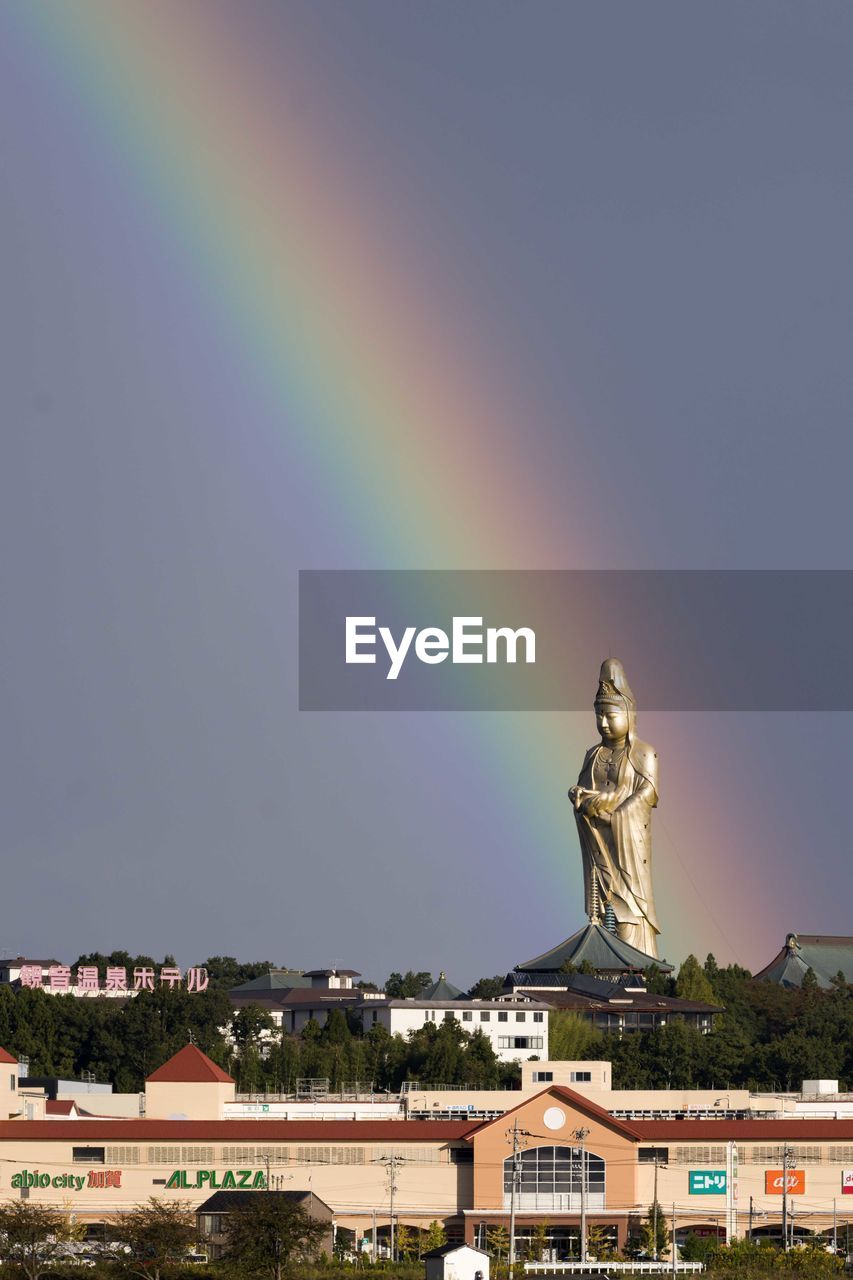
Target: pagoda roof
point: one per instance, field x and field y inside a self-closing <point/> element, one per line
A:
<point x="825" y="954"/>
<point x="597" y="947"/>
<point x="441" y="990"/>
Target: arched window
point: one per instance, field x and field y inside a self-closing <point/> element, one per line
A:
<point x="550" y="1178"/>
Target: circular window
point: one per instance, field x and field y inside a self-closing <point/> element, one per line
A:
<point x="554" y="1118"/>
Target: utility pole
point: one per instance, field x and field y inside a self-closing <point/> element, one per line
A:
<point x="515" y="1136"/>
<point x="786" y="1156"/>
<point x="581" y="1136"/>
<point x="655" y="1215"/>
<point x="834" y="1227"/>
<point x="672" y="1247"/>
<point x="392" y="1162"/>
<point x="750" y="1220"/>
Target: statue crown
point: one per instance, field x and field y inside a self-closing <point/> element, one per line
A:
<point x="608" y="692"/>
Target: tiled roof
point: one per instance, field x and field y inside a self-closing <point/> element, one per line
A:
<point x="332" y="973"/>
<point x="824" y="954"/>
<point x="190" y="1066"/>
<point x="226" y="1201"/>
<point x="786" y="1129"/>
<point x="7" y="1057"/>
<point x="599" y="948"/>
<point x="265" y="1131"/>
<point x="312" y="998"/>
<point x="623" y="1001"/>
<point x="274" y="980"/>
<point x="441" y="990"/>
<point x="457" y="1005"/>
<point x="579" y="1102"/>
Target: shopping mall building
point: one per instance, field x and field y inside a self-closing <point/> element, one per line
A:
<point x="717" y="1160"/>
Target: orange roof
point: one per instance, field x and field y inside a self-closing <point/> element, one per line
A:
<point x="190" y="1066"/>
<point x="579" y="1102"/>
<point x="53" y="1107"/>
<point x="7" y="1057"/>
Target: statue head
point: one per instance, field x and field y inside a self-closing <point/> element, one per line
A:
<point x="615" y="708"/>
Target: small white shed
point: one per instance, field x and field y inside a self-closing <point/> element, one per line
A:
<point x="457" y="1262"/>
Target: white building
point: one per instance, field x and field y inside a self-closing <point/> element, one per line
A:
<point x="515" y="1025"/>
<point x="457" y="1262"/>
<point x="516" y="1028"/>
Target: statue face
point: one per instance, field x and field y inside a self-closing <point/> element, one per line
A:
<point x="612" y="721"/>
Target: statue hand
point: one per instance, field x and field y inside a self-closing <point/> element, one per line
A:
<point x="595" y="807"/>
<point x="576" y="795"/>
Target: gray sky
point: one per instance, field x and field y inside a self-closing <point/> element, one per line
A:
<point x="640" y="215"/>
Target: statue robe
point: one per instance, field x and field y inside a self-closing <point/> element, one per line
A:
<point x="618" y="855"/>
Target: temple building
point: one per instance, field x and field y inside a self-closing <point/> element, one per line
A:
<point x="826" y="955"/>
<point x="599" y="950"/>
<point x="614" y="1007"/>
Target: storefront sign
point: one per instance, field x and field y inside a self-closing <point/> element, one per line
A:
<point x="87" y="979"/>
<point x="774" y="1182"/>
<point x="194" y="1179"/>
<point x="847" y="1182"/>
<point x="102" y="1178"/>
<point x="707" y="1182"/>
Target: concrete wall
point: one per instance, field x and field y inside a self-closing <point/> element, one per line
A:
<point x="170" y="1100"/>
<point x="10" y="1103"/>
<point x="351" y="1178"/>
<point x="549" y="1121"/>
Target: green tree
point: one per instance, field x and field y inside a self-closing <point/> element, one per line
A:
<point x="538" y="1242"/>
<point x="692" y="982"/>
<point x="600" y="1244"/>
<point x="487" y="988"/>
<point x="572" y="1038"/>
<point x="658" y="982"/>
<point x="153" y="1236"/>
<point x="654" y="1237"/>
<point x="405" y="1243"/>
<point x="435" y="1236"/>
<point x="32" y="1237"/>
<point x="251" y="1025"/>
<point x="497" y="1240"/>
<point x="269" y="1233"/>
<point x="399" y="986"/>
<point x="480" y="1063"/>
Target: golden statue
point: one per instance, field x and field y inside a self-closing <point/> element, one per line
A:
<point x="613" y="801"/>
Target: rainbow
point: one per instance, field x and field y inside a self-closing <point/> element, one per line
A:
<point x="404" y="432"/>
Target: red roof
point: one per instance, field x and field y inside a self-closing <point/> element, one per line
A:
<point x="190" y="1066"/>
<point x="55" y="1107"/>
<point x="581" y="1103"/>
<point x="7" y="1057"/>
<point x="203" y="1131"/>
<point x="788" y="1129"/>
